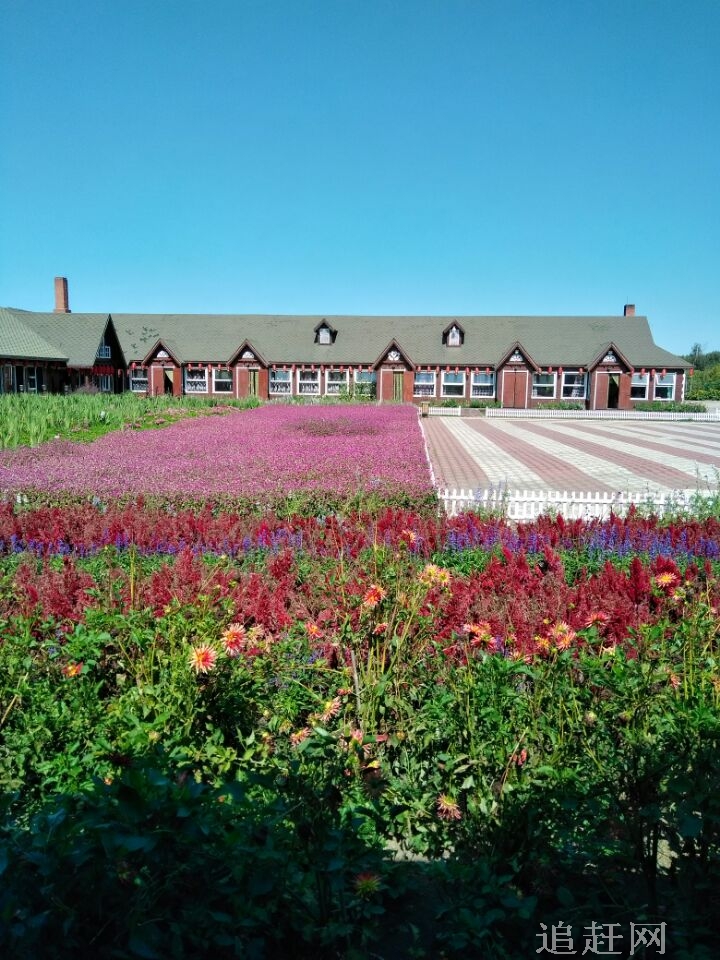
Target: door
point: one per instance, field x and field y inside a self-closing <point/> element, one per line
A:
<point x="252" y="383"/>
<point x="398" y="377"/>
<point x="514" y="388"/>
<point x="168" y="374"/>
<point x="613" y="395"/>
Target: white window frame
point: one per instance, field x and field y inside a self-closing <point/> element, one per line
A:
<point x="139" y="381"/>
<point x="639" y="381"/>
<point x="104" y="351"/>
<point x="227" y="380"/>
<point x="450" y="388"/>
<point x="570" y="388"/>
<point x="308" y="382"/>
<point x="424" y="383"/>
<point x="541" y="385"/>
<point x="336" y="382"/>
<point x="324" y="336"/>
<point x="663" y="382"/>
<point x="482" y="385"/>
<point x="280" y="383"/>
<point x="198" y="379"/>
<point x="363" y="377"/>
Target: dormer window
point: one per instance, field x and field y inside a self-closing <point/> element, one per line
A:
<point x="324" y="334"/>
<point x="453" y="336"/>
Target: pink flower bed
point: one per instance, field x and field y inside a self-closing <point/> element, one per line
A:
<point x="265" y="453"/>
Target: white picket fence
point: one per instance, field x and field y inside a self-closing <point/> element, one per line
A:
<point x="540" y="414"/>
<point x="529" y="504"/>
<point x="444" y="411"/>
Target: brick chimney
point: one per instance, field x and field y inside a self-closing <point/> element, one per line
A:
<point x="62" y="304"/>
<point x="629" y="310"/>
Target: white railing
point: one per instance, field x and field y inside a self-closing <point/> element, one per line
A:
<point x="444" y="411"/>
<point x="539" y="414"/>
<point x="529" y="504"/>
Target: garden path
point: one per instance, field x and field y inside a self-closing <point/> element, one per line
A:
<point x="598" y="455"/>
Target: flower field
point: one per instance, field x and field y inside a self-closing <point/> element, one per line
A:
<point x="359" y="733"/>
<point x="262" y="455"/>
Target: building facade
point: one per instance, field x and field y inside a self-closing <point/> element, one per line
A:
<point x="522" y="362"/>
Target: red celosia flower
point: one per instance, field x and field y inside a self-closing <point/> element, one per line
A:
<point x="379" y="629"/>
<point x="202" y="658"/>
<point x="373" y="596"/>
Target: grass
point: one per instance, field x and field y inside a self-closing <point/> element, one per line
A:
<point x="29" y="420"/>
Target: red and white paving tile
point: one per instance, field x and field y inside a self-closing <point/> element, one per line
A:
<point x="604" y="456"/>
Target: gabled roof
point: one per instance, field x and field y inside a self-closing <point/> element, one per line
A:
<point x="567" y="341"/>
<point x="246" y="345"/>
<point x="19" y="341"/>
<point x="74" y="336"/>
<point x="159" y="345"/>
<point x="609" y="348"/>
<point x="393" y="345"/>
<point x="214" y="338"/>
<point x="517" y="346"/>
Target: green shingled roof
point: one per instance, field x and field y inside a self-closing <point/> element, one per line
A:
<point x="566" y="341"/>
<point x="19" y="341"/>
<point x="74" y="337"/>
<point x="213" y="338"/>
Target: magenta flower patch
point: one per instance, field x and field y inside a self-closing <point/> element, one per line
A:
<point x="265" y="453"/>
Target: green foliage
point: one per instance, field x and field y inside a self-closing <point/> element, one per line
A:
<point x="668" y="406"/>
<point x="384" y="790"/>
<point x="28" y="419"/>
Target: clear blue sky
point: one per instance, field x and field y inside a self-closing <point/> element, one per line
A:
<point x="364" y="156"/>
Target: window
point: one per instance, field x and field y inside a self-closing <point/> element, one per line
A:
<point x="30" y="380"/>
<point x="280" y="383"/>
<point x="104" y="352"/>
<point x="105" y="382"/>
<point x="424" y="385"/>
<point x="336" y="381"/>
<point x="308" y="382"/>
<point x="222" y="381"/>
<point x="574" y="385"/>
<point x="665" y="386"/>
<point x="453" y="384"/>
<point x="139" y="381"/>
<point x="543" y="387"/>
<point x="196" y="380"/>
<point x="482" y="385"/>
<point x="454" y="336"/>
<point x="365" y="383"/>
<point x="324" y="336"/>
<point x="639" y="386"/>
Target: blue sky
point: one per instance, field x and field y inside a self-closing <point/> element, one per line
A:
<point x="360" y="156"/>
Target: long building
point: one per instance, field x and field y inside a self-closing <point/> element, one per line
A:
<point x="600" y="362"/>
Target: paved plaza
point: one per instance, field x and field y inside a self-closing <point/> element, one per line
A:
<point x="604" y="456"/>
